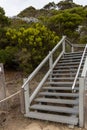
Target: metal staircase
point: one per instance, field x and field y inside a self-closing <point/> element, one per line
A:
<point x="56" y="98"/>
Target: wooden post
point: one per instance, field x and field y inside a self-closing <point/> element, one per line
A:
<point x="22" y="101"/>
<point x="2" y="88"/>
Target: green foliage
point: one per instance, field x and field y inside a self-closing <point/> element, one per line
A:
<point x="24" y="45"/>
<point x="50" y="5"/>
<point x="83" y="40"/>
<point x="33" y="44"/>
<point x="28" y="12"/>
<point x="66" y="4"/>
<point x="4" y="21"/>
<point x="8" y="57"/>
<point x="65" y="23"/>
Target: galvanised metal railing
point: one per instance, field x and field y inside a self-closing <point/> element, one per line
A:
<point x="78" y="70"/>
<point x="25" y="87"/>
<point x="82" y="95"/>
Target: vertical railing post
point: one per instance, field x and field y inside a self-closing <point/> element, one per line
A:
<point x="85" y="102"/>
<point x="72" y="49"/>
<point x="50" y="64"/>
<point x="63" y="46"/>
<point x="81" y="101"/>
<point x="26" y="96"/>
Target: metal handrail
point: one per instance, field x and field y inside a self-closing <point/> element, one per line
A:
<point x="73" y="86"/>
<point x="75" y="45"/>
<point x="44" y="79"/>
<point x="43" y="62"/>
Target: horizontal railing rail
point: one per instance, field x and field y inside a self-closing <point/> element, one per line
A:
<point x="78" y="70"/>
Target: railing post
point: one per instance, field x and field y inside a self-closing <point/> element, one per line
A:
<point x="81" y="101"/>
<point x="72" y="49"/>
<point x="26" y="96"/>
<point x="63" y="46"/>
<point x="85" y="102"/>
<point x="50" y="64"/>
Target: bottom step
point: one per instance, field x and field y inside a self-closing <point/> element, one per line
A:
<point x="56" y="118"/>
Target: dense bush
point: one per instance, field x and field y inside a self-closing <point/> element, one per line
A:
<point x="33" y="45"/>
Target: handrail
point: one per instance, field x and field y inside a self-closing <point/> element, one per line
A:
<point x="44" y="79"/>
<point x="43" y="62"/>
<point x="73" y="86"/>
<point x="75" y="45"/>
<point x="69" y="43"/>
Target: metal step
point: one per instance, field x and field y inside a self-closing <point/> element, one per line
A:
<point x="54" y="117"/>
<point x="64" y="74"/>
<point x="59" y="94"/>
<point x="60" y="88"/>
<point x="68" y="63"/>
<point x="62" y="78"/>
<point x="70" y="53"/>
<point x="54" y="108"/>
<point x="55" y="83"/>
<point x="69" y="67"/>
<point x="69" y="60"/>
<point x="66" y="70"/>
<point x="59" y="101"/>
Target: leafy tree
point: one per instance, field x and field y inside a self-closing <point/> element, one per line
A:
<point x="50" y="5"/>
<point x="33" y="44"/>
<point x="4" y="22"/>
<point x="65" y="23"/>
<point x="66" y="4"/>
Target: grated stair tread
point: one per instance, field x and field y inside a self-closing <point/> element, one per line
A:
<point x="60" y="88"/>
<point x="54" y="108"/>
<point x="59" y="94"/>
<point x="60" y="101"/>
<point x="56" y="118"/>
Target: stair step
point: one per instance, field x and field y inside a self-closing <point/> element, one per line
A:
<point x="66" y="70"/>
<point x="60" y="101"/>
<point x="74" y="66"/>
<point x="60" y="88"/>
<point x="59" y="94"/>
<point x="55" y="83"/>
<point x="68" y="63"/>
<point x="64" y="74"/>
<point x="62" y="78"/>
<point x="70" y="53"/>
<point x="54" y="108"/>
<point x="69" y="60"/>
<point x="54" y="117"/>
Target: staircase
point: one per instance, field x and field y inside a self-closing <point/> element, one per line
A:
<point x="57" y="96"/>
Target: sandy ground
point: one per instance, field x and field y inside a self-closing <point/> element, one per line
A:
<point x="14" y="120"/>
